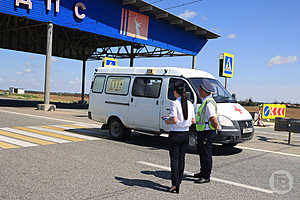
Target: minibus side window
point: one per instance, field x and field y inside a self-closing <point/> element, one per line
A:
<point x="173" y="82"/>
<point x="98" y="84"/>
<point x="117" y="85"/>
<point x="146" y="87"/>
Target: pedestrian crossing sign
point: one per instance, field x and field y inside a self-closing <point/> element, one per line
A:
<point x="226" y="65"/>
<point x="110" y="62"/>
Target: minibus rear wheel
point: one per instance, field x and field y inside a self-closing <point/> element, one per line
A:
<point x="117" y="129"/>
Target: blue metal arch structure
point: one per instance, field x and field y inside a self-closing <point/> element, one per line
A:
<point x="107" y="23"/>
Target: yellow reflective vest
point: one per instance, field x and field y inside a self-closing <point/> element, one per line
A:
<point x="200" y="119"/>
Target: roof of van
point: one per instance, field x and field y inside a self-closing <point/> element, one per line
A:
<point x="167" y="71"/>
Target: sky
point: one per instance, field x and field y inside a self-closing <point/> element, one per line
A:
<point x="264" y="36"/>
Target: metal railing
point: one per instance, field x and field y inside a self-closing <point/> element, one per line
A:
<point x="289" y="125"/>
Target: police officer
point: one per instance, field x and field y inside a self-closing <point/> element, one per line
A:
<point x="206" y="126"/>
<point x="181" y="117"/>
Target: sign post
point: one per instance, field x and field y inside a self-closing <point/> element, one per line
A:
<point x="226" y="66"/>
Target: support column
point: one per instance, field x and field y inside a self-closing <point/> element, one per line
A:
<point x="194" y="62"/>
<point x="83" y="81"/>
<point x="46" y="106"/>
<point x="131" y="57"/>
<point x="226" y="82"/>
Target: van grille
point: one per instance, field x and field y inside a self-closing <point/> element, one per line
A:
<point x="245" y="124"/>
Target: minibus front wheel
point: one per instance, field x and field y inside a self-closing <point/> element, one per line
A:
<point x="117" y="130"/>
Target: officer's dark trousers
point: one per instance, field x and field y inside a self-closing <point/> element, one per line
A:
<point x="204" y="139"/>
<point x="178" y="143"/>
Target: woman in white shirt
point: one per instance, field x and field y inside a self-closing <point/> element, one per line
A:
<point x="182" y="116"/>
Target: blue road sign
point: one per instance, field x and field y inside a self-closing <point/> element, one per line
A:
<point x="227" y="65"/>
<point x="110" y="62"/>
<point x="267" y="111"/>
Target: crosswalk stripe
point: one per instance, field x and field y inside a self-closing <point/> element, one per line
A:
<point x="7" y="145"/>
<point x="74" y="139"/>
<point x="56" y="128"/>
<point x="88" y="125"/>
<point x="50" y="129"/>
<point x="16" y="142"/>
<point x="43" y="137"/>
<point x="71" y="126"/>
<point x="26" y="138"/>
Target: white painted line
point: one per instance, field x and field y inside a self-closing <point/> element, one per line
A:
<point x="88" y="125"/>
<point x="17" y="142"/>
<point x="43" y="137"/>
<point x="64" y="133"/>
<point x="267" y="151"/>
<point x="212" y="178"/>
<point x="69" y="128"/>
<point x="43" y="117"/>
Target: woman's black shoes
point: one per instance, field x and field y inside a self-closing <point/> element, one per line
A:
<point x="202" y="180"/>
<point x="174" y="189"/>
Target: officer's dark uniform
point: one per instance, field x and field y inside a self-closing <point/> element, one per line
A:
<point x="205" y="133"/>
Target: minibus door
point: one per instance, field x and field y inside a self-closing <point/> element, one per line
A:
<point x="144" y="112"/>
<point x="169" y="97"/>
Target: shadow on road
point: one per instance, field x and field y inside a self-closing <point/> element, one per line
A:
<point x="166" y="175"/>
<point x="142" y="183"/>
<point x="150" y="142"/>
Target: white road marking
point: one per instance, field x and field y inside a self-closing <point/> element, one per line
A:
<point x="17" y="142"/>
<point x="267" y="151"/>
<point x="43" y="137"/>
<point x="212" y="178"/>
<point x="64" y="133"/>
<point x="68" y="127"/>
<point x="89" y="125"/>
<point x="38" y="116"/>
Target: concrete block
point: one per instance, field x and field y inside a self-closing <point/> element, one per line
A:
<point x="46" y="107"/>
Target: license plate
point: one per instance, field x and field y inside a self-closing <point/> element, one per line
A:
<point x="247" y="130"/>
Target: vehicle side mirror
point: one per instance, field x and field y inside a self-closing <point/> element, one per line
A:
<point x="92" y="85"/>
<point x="234" y="96"/>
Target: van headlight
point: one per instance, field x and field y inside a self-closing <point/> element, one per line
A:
<point x="225" y="121"/>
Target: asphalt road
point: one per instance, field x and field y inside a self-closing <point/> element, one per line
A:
<point x="96" y="167"/>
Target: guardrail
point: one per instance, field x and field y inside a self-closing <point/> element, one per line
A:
<point x="290" y="125"/>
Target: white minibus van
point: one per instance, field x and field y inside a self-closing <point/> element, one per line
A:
<point x="135" y="98"/>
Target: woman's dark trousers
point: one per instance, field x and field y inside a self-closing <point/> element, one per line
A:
<point x="178" y="143"/>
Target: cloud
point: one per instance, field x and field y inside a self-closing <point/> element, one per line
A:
<point x="27" y="70"/>
<point x="188" y="14"/>
<point x="231" y="36"/>
<point x="279" y="60"/>
<point x="19" y="73"/>
<point x="1" y="79"/>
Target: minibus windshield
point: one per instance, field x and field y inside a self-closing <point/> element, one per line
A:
<point x="221" y="95"/>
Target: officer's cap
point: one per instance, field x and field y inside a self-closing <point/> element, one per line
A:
<point x="207" y="86"/>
